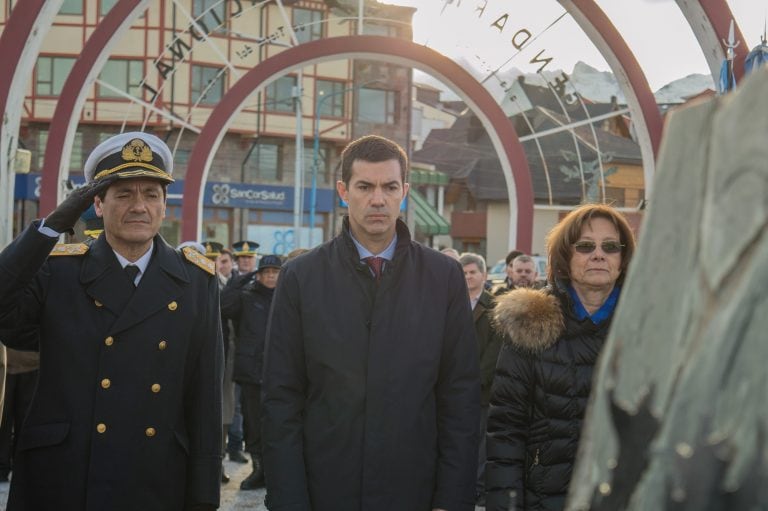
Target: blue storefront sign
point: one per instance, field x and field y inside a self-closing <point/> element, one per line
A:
<point x="216" y="194"/>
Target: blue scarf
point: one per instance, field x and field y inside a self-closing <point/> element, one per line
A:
<point x="603" y="313"/>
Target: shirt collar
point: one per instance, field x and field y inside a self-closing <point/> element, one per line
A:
<point x="142" y="262"/>
<point x="474" y="299"/>
<point x="601" y="314"/>
<point x="388" y="253"/>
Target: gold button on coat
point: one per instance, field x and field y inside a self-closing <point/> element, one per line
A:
<point x="155" y="388"/>
<point x="173" y="306"/>
<point x="162" y="345"/>
<point x="105" y="383"/>
<point x="101" y="427"/>
<point x="109" y="341"/>
<point x="150" y="432"/>
<point x="97" y="303"/>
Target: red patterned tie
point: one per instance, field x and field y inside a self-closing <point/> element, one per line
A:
<point x="375" y="264"/>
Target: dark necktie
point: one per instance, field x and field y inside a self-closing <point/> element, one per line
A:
<point x="375" y="263"/>
<point x="132" y="270"/>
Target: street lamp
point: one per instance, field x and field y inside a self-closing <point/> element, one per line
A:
<point x="316" y="155"/>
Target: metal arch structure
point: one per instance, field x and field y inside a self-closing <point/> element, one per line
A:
<point x="67" y="113"/>
<point x="640" y="100"/>
<point x="710" y="21"/>
<point x="19" y="45"/>
<point x="714" y="16"/>
<point x="499" y="127"/>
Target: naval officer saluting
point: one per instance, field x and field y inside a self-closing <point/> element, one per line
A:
<point x="127" y="412"/>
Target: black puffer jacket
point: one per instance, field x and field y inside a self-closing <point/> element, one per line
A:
<point x="539" y="398"/>
<point x="247" y="303"/>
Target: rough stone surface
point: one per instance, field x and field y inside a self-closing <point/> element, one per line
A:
<point x="679" y="415"/>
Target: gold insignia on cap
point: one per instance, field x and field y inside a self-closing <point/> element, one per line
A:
<point x="246" y="248"/>
<point x="137" y="150"/>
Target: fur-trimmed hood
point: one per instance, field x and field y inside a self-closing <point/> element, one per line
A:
<point x="531" y="319"/>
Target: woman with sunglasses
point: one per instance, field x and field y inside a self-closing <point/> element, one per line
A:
<point x="544" y="372"/>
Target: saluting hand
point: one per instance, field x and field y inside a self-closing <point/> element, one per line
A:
<point x="63" y="218"/>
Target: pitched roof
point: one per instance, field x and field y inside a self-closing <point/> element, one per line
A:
<point x="465" y="151"/>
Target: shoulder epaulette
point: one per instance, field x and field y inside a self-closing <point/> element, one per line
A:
<point x="199" y="260"/>
<point x="69" y="249"/>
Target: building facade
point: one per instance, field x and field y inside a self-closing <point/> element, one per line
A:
<point x="176" y="63"/>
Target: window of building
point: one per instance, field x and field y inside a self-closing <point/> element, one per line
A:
<point x="124" y="75"/>
<point x="207" y="85"/>
<point x="75" y="158"/>
<point x="378" y="29"/>
<point x="71" y="7"/>
<point x="279" y="95"/>
<point x="330" y="97"/>
<point x="308" y="24"/>
<point x="106" y="5"/>
<point x="50" y="74"/>
<point x="376" y="106"/>
<point x="170" y="229"/>
<point x="42" y="140"/>
<point x="217" y="225"/>
<point x="210" y="13"/>
<point x="181" y="156"/>
<point x="309" y="162"/>
<point x="263" y="163"/>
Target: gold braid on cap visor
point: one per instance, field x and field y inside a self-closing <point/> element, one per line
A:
<point x="151" y="171"/>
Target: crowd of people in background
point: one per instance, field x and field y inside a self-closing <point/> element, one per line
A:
<point x="370" y="373"/>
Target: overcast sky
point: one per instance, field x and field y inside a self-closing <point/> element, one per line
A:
<point x="655" y="30"/>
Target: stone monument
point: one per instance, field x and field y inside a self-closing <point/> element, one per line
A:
<point x="679" y="413"/>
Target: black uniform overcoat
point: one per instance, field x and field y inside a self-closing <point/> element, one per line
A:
<point x="127" y="412"/>
<point x="371" y="392"/>
<point x="247" y="304"/>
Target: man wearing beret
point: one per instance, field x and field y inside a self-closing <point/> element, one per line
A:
<point x="127" y="412"/>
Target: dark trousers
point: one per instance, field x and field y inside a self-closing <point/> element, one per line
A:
<point x="481" y="455"/>
<point x="235" y="430"/>
<point x="251" y="402"/>
<point x="19" y="390"/>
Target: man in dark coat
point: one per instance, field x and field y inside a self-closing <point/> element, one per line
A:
<point x="127" y="412"/>
<point x="248" y="303"/>
<point x="371" y="385"/>
<point x="521" y="272"/>
<point x="489" y="342"/>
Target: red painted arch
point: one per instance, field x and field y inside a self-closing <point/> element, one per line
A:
<point x="16" y="31"/>
<point x="631" y="69"/>
<point x="361" y="47"/>
<point x="720" y="16"/>
<point x="24" y="14"/>
<point x="71" y="99"/>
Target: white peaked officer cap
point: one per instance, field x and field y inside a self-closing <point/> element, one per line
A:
<point x="130" y="155"/>
<point x="194" y="244"/>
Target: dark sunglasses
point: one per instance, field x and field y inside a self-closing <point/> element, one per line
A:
<point x="587" y="247"/>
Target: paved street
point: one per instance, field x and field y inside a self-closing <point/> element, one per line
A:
<point x="232" y="499"/>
